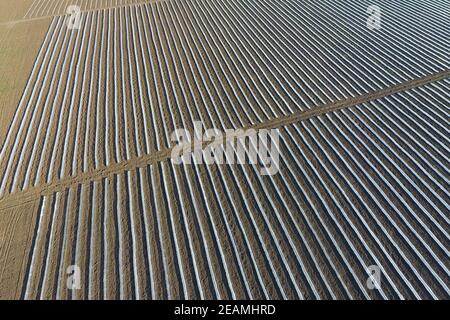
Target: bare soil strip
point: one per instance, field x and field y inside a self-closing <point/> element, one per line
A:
<point x="32" y="193"/>
<point x="19" y="47"/>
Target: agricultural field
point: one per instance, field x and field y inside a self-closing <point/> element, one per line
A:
<point x="13" y="11"/>
<point x="45" y="8"/>
<point x="87" y="178"/>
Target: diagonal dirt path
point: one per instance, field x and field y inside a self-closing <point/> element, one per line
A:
<point x="14" y="199"/>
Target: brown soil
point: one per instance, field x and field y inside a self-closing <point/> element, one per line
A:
<point x="86" y="177"/>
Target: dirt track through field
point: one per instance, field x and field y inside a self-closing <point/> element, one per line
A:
<point x="353" y="190"/>
<point x="364" y="153"/>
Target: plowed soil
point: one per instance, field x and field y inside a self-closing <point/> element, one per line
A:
<point x="86" y="177"/>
